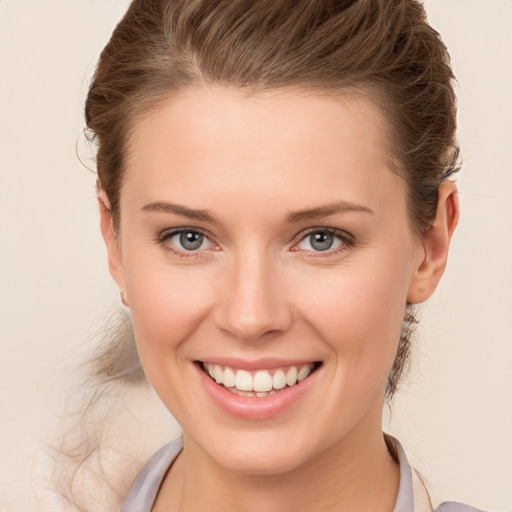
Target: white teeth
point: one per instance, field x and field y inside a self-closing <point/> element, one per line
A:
<point x="279" y="379"/>
<point x="304" y="372"/>
<point x="229" y="378"/>
<point x="263" y="383"/>
<point x="218" y="374"/>
<point x="244" y="381"/>
<point x="291" y="376"/>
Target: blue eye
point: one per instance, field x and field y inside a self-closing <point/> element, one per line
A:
<point x="190" y="240"/>
<point x="321" y="240"/>
<point x="187" y="240"/>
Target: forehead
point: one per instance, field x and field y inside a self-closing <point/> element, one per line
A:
<point x="313" y="147"/>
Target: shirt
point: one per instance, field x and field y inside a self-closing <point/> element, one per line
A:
<point x="412" y="495"/>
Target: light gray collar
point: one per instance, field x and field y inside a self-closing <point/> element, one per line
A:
<point x="412" y="494"/>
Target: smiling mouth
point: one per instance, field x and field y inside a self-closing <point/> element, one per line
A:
<point x="260" y="383"/>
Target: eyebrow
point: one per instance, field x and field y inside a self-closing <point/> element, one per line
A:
<point x="190" y="213"/>
<point x="292" y="217"/>
<point x="326" y="210"/>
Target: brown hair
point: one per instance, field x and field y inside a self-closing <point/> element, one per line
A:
<point x="384" y="48"/>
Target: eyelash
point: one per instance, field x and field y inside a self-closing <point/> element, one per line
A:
<point x="182" y="253"/>
<point x="346" y="239"/>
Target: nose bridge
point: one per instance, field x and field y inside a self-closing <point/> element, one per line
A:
<point x="253" y="303"/>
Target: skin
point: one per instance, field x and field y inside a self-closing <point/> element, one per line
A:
<point x="258" y="288"/>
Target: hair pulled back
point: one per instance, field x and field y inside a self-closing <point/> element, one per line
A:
<point x="384" y="48"/>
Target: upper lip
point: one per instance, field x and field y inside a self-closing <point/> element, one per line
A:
<point x="265" y="363"/>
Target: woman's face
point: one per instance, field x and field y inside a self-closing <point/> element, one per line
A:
<point x="264" y="236"/>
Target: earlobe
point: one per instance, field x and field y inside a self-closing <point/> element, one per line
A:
<point x="115" y="260"/>
<point x="435" y="246"/>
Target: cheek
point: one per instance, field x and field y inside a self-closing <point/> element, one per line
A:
<point x="167" y="304"/>
<point x="358" y="312"/>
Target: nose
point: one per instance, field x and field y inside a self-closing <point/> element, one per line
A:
<point x="253" y="303"/>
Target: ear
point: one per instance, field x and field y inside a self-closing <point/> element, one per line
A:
<point x="433" y="253"/>
<point x="115" y="258"/>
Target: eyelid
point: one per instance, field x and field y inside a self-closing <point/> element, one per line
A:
<point x="169" y="233"/>
<point x="347" y="239"/>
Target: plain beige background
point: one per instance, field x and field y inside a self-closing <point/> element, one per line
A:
<point x="455" y="414"/>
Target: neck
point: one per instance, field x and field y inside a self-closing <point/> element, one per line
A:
<point x="352" y="475"/>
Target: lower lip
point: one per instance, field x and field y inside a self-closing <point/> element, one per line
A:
<point x="254" y="408"/>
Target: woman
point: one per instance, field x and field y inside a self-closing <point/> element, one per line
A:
<point x="274" y="198"/>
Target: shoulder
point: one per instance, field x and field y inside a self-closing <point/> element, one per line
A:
<point x="452" y="506"/>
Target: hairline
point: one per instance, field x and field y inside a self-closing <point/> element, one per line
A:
<point x="144" y="108"/>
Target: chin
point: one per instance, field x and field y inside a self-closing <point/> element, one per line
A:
<point x="263" y="462"/>
<point x="259" y="453"/>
